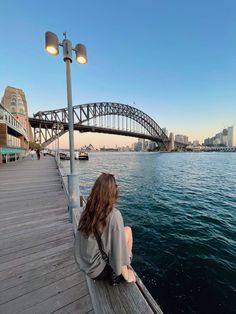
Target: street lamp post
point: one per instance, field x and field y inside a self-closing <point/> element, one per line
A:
<point x="52" y="46"/>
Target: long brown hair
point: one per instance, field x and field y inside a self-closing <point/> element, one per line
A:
<point x="99" y="204"/>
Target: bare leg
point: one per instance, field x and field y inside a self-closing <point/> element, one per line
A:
<point x="129" y="239"/>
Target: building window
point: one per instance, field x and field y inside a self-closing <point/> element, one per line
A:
<point x="21" y="111"/>
<point x="13" y="109"/>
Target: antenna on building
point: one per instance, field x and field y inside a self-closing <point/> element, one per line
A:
<point x="64" y="34"/>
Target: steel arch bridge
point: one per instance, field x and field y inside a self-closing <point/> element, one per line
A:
<point x="101" y="117"/>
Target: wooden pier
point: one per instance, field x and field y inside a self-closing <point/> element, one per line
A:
<point x="38" y="273"/>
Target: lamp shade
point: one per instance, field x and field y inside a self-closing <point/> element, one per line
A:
<point x="51" y="43"/>
<point x="81" y="55"/>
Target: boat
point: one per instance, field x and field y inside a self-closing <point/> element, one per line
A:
<point x="83" y="156"/>
<point x="64" y="156"/>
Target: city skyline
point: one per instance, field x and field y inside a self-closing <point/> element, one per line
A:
<point x="178" y="66"/>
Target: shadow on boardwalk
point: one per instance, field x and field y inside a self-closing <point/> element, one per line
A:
<point x="38" y="273"/>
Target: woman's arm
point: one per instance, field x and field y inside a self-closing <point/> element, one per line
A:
<point x="128" y="274"/>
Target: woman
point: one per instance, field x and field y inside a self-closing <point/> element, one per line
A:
<point x="100" y="217"/>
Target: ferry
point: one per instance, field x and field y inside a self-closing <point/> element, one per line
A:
<point x="64" y="156"/>
<point x="83" y="156"/>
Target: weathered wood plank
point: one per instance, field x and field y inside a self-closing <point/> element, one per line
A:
<point x="37" y="268"/>
<point x="32" y="196"/>
<point x="32" y="206"/>
<point x="33" y="210"/>
<point x="29" y="217"/>
<point x="42" y="281"/>
<point x="15" y="249"/>
<point x="25" y="238"/>
<point x="58" y="301"/>
<point x="9" y="258"/>
<point x="28" y="272"/>
<point x="22" y="226"/>
<point x="80" y="306"/>
<point x="38" y="296"/>
<point x="35" y="256"/>
<point x="33" y="230"/>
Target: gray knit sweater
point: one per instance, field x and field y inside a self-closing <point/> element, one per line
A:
<point x="114" y="243"/>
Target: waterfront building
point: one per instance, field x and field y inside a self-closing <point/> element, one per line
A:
<point x="195" y="143"/>
<point x="224" y="138"/>
<point x="185" y="139"/>
<point x="143" y="145"/>
<point x="151" y="145"/>
<point x="109" y="149"/>
<point x="230" y="136"/>
<point x="181" y="138"/>
<point x="138" y="146"/>
<point x="15" y="130"/>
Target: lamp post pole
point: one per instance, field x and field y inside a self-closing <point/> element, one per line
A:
<point x="58" y="145"/>
<point x="70" y="117"/>
<point x="52" y="46"/>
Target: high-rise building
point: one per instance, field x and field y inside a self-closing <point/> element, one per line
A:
<point x="185" y="139"/>
<point x="230" y="136"/>
<point x="224" y="138"/>
<point x="179" y="138"/>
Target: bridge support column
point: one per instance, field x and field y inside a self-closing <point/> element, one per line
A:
<point x="74" y="193"/>
<point x="171" y="142"/>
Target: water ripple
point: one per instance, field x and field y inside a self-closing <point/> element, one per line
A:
<point x="182" y="208"/>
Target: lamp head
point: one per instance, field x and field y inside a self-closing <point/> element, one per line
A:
<point x="51" y="43"/>
<point x="81" y="55"/>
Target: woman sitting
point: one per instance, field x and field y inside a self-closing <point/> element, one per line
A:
<point x="101" y="220"/>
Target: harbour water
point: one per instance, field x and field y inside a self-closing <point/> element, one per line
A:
<point x="182" y="208"/>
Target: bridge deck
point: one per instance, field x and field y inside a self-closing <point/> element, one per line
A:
<point x="38" y="273"/>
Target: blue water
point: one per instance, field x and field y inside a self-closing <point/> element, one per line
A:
<point x="182" y="208"/>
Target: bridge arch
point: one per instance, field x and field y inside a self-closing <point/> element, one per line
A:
<point x="83" y="114"/>
<point x="98" y="109"/>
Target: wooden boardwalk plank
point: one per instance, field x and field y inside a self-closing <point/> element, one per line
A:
<point x="38" y="273"/>
<point x="76" y="307"/>
<point x="25" y="252"/>
<point x="7" y="243"/>
<point x="45" y="266"/>
<point x="42" y="281"/>
<point x="64" y="298"/>
<point x="35" y="243"/>
<point x="37" y="296"/>
<point x="33" y="230"/>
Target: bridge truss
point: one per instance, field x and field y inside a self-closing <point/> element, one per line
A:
<point x="102" y="117"/>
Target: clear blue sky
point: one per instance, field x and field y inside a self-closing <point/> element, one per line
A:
<point x="175" y="59"/>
